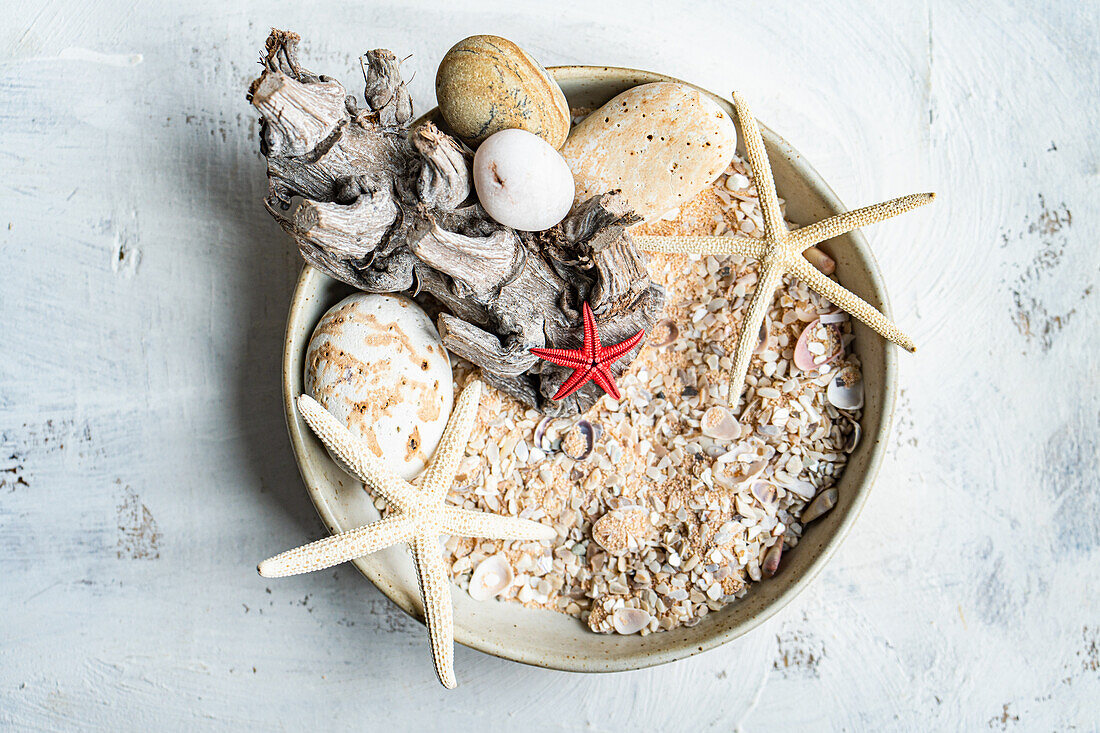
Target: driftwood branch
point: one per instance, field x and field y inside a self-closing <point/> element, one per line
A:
<point x="481" y="264"/>
<point x="444" y="180"/>
<point x="385" y="92"/>
<point x="388" y="209"/>
<point x="300" y="116"/>
<point x="481" y="347"/>
<point x="350" y="231"/>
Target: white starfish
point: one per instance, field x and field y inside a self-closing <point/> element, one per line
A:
<point x="419" y="516"/>
<point x="780" y="251"/>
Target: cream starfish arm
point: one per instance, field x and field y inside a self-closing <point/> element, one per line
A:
<point x="438" y="476"/>
<point x="338" y="439"/>
<point x="850" y="302"/>
<point x="834" y="226"/>
<point x="717" y="246"/>
<point x="769" y="276"/>
<point x="468" y="523"/>
<point x="338" y="548"/>
<point x="420" y="518"/>
<point x="435" y="590"/>
<point x="774" y="226"/>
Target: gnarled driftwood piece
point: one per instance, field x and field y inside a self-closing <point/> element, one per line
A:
<point x="388" y="209"/>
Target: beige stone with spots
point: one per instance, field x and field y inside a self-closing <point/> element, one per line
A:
<point x="376" y="363"/>
<point x="659" y="143"/>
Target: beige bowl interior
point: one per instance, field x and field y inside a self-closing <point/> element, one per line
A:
<point x="555" y="640"/>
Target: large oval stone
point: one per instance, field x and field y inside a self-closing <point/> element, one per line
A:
<point x="486" y="84"/>
<point x="376" y="363"/>
<point x="659" y="143"/>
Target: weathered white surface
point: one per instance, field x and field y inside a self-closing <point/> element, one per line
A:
<point x="145" y="468"/>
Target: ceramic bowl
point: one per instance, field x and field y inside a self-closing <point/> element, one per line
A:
<point x="558" y="641"/>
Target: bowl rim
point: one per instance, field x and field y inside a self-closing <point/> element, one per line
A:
<point x="298" y="432"/>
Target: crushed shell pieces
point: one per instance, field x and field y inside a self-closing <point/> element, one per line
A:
<point x="621" y="530"/>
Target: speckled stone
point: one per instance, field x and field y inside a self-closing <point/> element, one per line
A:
<point x="487" y="83"/>
<point x="376" y="363"/>
<point x="659" y="143"/>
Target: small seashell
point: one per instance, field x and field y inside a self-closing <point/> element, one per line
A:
<point x="771" y="559"/>
<point x="737" y="182"/>
<point x="769" y="431"/>
<point x="764" y="491"/>
<point x="491" y="577"/>
<point x="668" y="327"/>
<point x="821" y="338"/>
<point x="766" y="340"/>
<point x="820" y="260"/>
<point x="622" y="529"/>
<point x="580" y="440"/>
<point x="845" y="390"/>
<point x="804" y="489"/>
<point x="714" y="450"/>
<point x="851" y="441"/>
<point x="820" y="506"/>
<point x="630" y="620"/>
<point x="541" y="441"/>
<point x="834" y="317"/>
<point x="755" y="469"/>
<point x="805" y="312"/>
<point x="718" y="423"/>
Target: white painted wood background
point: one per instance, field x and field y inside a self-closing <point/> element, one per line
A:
<point x="145" y="467"/>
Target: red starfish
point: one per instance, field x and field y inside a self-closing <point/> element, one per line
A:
<point x="591" y="361"/>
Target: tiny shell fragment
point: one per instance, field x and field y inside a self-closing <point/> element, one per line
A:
<point x="718" y="423"/>
<point x="845" y="389"/>
<point x="764" y="491"/>
<point x="818" y="345"/>
<point x="852" y="441"/>
<point x="766" y="341"/>
<point x="820" y="506"/>
<point x="804" y="489"/>
<point x="542" y="442"/>
<point x="771" y="559"/>
<point x="630" y="620"/>
<point x="820" y="260"/>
